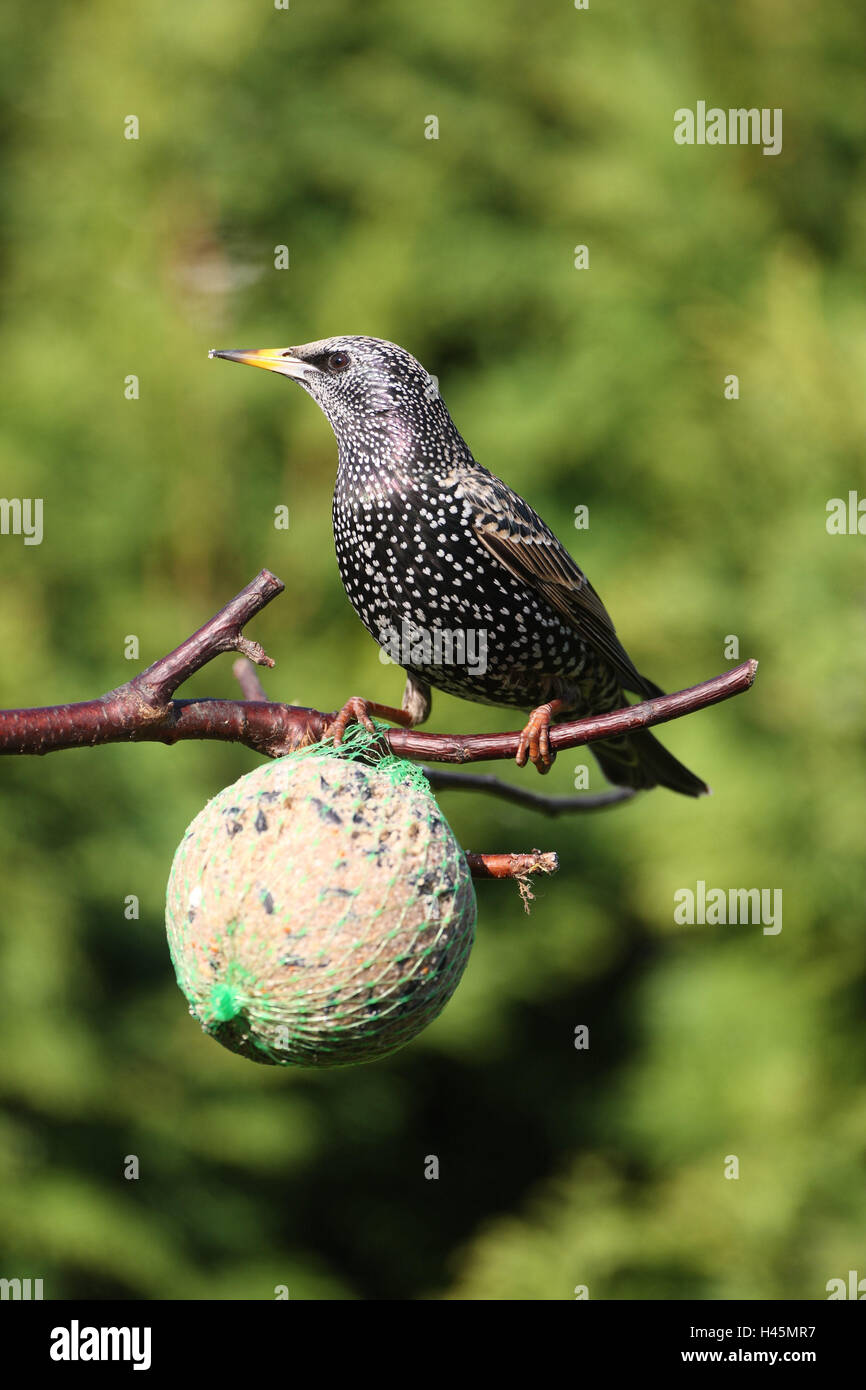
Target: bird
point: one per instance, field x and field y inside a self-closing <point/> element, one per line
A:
<point x="442" y="562"/>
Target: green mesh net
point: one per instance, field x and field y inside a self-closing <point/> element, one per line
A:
<point x="320" y="911"/>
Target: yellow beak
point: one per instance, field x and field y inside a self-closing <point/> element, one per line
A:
<point x="280" y="360"/>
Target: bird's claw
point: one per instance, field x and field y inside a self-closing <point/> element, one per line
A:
<point x="534" y="744"/>
<point x="356" y="710"/>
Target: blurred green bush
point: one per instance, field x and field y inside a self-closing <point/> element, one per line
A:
<point x="305" y="128"/>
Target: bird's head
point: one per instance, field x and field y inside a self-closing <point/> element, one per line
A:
<point x="358" y="382"/>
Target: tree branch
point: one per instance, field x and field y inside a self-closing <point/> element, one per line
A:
<point x="249" y="681"/>
<point x="443" y="780"/>
<point x="223" y="633"/>
<point x="451" y="748"/>
<point x="512" y="865"/>
<point x="516" y="866"/>
<point x="142" y="710"/>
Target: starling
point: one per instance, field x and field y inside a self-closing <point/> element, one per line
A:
<point x="452" y="572"/>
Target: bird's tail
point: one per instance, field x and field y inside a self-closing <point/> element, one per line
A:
<point x="638" y="760"/>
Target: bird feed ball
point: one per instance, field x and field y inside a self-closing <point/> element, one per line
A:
<point x="320" y="911"/>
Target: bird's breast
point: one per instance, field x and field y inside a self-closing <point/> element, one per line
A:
<point x="433" y="596"/>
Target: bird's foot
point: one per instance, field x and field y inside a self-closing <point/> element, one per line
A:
<point x="534" y="744"/>
<point x="357" y="710"/>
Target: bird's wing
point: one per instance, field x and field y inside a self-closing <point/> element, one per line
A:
<point x="517" y="537"/>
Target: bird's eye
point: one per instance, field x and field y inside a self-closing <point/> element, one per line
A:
<point x="338" y="361"/>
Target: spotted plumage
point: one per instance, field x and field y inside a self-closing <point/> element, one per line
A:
<point x="440" y="559"/>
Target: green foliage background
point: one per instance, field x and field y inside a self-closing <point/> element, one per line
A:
<point x="707" y="518"/>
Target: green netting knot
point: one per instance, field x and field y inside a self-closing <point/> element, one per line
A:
<point x="359" y="743"/>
